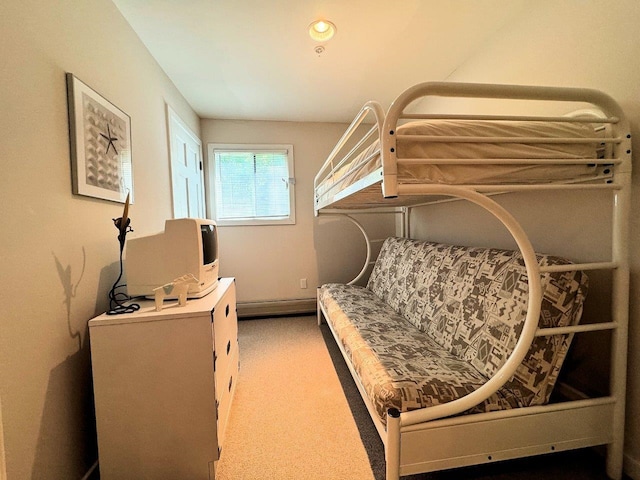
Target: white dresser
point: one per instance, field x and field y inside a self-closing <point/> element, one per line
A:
<point x="163" y="384"/>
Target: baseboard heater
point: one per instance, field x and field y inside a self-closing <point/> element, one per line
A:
<point x="276" y="307"/>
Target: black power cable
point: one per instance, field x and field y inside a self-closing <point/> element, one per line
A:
<point x="117" y="299"/>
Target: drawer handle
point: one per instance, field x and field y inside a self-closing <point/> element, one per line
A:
<point x="226" y="311"/>
<point x="228" y="347"/>
<point x="230" y="383"/>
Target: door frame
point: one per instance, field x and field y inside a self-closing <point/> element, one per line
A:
<point x="174" y="119"/>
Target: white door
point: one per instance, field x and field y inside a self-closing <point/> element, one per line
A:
<point x="187" y="177"/>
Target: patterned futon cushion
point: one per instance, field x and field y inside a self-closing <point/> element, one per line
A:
<point x="465" y="304"/>
<point x="398" y="365"/>
<point x="473" y="302"/>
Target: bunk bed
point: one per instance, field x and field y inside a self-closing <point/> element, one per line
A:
<point x="409" y="159"/>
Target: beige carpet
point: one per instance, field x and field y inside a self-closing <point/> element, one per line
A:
<point x="289" y="418"/>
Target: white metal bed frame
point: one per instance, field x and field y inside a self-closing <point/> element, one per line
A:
<point x="433" y="438"/>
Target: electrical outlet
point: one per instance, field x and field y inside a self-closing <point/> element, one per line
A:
<point x="303" y="283"/>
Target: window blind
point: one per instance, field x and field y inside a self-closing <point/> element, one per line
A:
<point x="252" y="184"/>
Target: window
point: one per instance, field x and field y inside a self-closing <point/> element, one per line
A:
<point x="252" y="184"/>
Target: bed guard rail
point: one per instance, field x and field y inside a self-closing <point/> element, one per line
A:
<point x="612" y="111"/>
<point x="330" y="166"/>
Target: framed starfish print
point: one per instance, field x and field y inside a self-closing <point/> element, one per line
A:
<point x="100" y="140"/>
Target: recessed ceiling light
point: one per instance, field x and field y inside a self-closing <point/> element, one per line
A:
<point x="322" y="30"/>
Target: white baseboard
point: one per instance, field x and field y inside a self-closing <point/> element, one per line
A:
<point x="631" y="467"/>
<point x="277" y="307"/>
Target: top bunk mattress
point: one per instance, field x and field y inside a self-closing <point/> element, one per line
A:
<point x="567" y="140"/>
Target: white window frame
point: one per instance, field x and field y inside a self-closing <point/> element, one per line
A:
<point x="211" y="182"/>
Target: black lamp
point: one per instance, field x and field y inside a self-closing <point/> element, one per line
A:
<point x="117" y="299"/>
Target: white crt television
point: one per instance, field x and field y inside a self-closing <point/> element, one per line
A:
<point x="187" y="245"/>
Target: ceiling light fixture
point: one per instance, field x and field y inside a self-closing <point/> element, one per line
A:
<point x="322" y="30"/>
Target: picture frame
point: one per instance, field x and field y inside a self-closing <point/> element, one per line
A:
<point x="100" y="144"/>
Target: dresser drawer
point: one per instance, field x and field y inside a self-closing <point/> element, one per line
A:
<point x="225" y="324"/>
<point x="224" y="394"/>
<point x="224" y="364"/>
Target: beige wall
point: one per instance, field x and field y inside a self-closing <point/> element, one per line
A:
<point x="59" y="251"/>
<point x="269" y="261"/>
<point x="567" y="43"/>
<point x="3" y="468"/>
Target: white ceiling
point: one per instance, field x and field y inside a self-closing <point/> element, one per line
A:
<point x="254" y="59"/>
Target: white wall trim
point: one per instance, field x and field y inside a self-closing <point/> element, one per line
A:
<point x="631" y="467"/>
